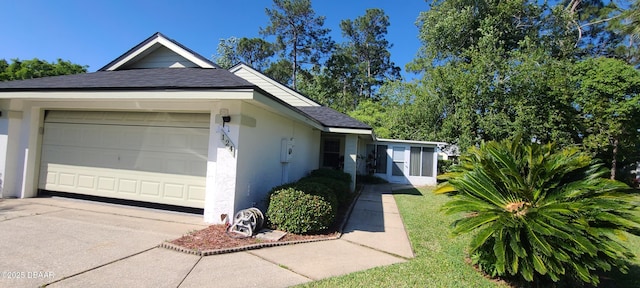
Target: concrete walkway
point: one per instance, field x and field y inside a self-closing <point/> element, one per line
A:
<point x="74" y="243"/>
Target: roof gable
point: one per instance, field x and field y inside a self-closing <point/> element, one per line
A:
<point x="275" y="88"/>
<point x="161" y="57"/>
<point x="158" y="51"/>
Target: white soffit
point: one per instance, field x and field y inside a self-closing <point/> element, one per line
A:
<point x="410" y="142"/>
<point x="169" y="94"/>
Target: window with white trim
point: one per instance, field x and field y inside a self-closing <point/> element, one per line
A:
<point x="331" y="153"/>
<point x="421" y="161"/>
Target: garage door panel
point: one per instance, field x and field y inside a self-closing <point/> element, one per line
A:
<point x="146" y="186"/>
<point x="106" y="184"/>
<point x="196" y="193"/>
<point x="87" y="181"/>
<point x="108" y="138"/>
<point x="199" y="142"/>
<point x="177" y="166"/>
<point x="67" y="180"/>
<point x="198" y="120"/>
<point x="162" y="164"/>
<point x="150" y="188"/>
<point x="51" y="178"/>
<point x="173" y="190"/>
<point x="159" y="139"/>
<point x="127" y="186"/>
<point x="186" y="162"/>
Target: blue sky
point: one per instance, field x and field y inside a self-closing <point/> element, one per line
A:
<point x="95" y="32"/>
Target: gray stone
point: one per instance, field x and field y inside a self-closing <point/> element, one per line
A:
<point x="270" y="235"/>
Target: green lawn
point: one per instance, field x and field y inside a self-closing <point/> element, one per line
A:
<point x="438" y="262"/>
<point x="439" y="257"/>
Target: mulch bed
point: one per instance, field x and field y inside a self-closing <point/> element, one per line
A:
<point x="215" y="240"/>
<point x="215" y="237"/>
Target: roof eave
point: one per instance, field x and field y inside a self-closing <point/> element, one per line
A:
<point x="349" y="130"/>
<point x="132" y="94"/>
<point x="99" y="89"/>
<point x="432" y="143"/>
<point x="273" y="82"/>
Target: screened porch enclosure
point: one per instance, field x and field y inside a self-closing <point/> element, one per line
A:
<point x="409" y="163"/>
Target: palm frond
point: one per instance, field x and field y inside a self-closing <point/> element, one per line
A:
<point x="540" y="211"/>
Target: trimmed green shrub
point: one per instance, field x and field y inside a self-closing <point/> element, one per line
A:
<point x="539" y="213"/>
<point x="313" y="188"/>
<point x="294" y="211"/>
<point x="318" y="189"/>
<point x="341" y="189"/>
<point x="282" y="187"/>
<point x="333" y="174"/>
<point x="266" y="200"/>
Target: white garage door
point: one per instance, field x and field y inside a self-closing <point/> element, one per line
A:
<point x="151" y="157"/>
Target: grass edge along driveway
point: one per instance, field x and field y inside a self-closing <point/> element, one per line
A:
<point x="439" y="260"/>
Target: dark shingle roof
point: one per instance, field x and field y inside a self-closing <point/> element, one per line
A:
<point x="332" y="118"/>
<point x="159" y="78"/>
<point x="169" y="78"/>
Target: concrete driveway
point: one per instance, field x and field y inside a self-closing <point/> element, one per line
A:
<point x="47" y="239"/>
<point x="74" y="243"/>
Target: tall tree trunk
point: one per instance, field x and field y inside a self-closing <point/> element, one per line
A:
<point x="368" y="72"/>
<point x="295" y="61"/>
<point x="295" y="66"/>
<point x="614" y="162"/>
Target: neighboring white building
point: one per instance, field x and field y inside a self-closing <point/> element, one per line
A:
<point x="162" y="124"/>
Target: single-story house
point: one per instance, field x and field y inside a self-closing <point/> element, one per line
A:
<point x="162" y="124"/>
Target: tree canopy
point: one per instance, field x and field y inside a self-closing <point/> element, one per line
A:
<point x="505" y="68"/>
<point x="367" y="46"/>
<point x="486" y="70"/>
<point x="358" y="67"/>
<point x="300" y="35"/>
<point x="608" y="101"/>
<point x="255" y="52"/>
<point x="36" y="68"/>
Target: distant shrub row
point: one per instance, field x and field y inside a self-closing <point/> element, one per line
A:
<point x="310" y="204"/>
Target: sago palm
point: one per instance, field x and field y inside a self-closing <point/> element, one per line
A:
<point x="539" y="213"/>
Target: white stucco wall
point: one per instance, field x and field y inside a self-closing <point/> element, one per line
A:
<point x="4" y="137"/>
<point x="259" y="160"/>
<point x="13" y="161"/>
<point x="351" y="157"/>
<point x="222" y="162"/>
<point x="11" y="157"/>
